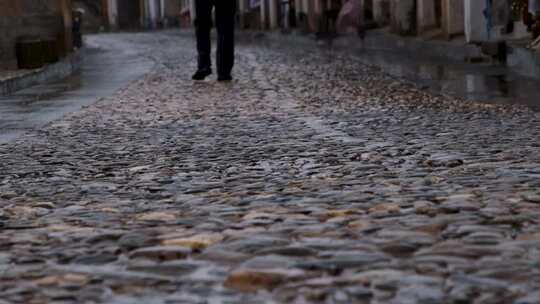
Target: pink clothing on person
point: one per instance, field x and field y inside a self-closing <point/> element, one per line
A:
<point x="349" y="16"/>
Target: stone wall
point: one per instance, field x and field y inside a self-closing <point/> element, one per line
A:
<point x="19" y="18"/>
<point x="426" y="15"/>
<point x="172" y="12"/>
<point x="453" y="17"/>
<point x="381" y="12"/>
<point x="403" y="16"/>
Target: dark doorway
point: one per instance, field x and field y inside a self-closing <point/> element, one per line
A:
<point x="368" y="11"/>
<point x="129" y="14"/>
<point x="438" y="13"/>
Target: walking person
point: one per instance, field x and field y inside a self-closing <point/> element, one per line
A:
<point x="225" y="11"/>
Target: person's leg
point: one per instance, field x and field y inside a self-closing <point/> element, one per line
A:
<point x="203" y="25"/>
<point x="225" y="17"/>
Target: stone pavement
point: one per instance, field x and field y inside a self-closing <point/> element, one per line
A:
<point x="104" y="67"/>
<point x="312" y="178"/>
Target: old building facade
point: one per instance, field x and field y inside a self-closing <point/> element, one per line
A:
<point x="50" y="19"/>
<point x="141" y="14"/>
<point x="475" y="20"/>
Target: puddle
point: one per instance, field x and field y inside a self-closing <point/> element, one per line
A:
<point x="473" y="82"/>
<point x="480" y="82"/>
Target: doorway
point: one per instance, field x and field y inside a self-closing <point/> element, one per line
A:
<point x="438" y="13"/>
<point x="368" y="16"/>
<point x="129" y="14"/>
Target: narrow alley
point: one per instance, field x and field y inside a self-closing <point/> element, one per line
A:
<point x="311" y="178"/>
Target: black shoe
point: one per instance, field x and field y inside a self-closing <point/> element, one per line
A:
<point x="224" y="77"/>
<point x="201" y="74"/>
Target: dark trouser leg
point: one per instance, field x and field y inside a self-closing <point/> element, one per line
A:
<point x="203" y="25"/>
<point x="225" y="17"/>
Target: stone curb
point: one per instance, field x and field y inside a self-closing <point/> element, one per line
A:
<point x="50" y="72"/>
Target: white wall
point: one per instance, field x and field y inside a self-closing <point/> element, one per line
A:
<point x="305" y="6"/>
<point x="242" y="6"/>
<point x="475" y="23"/>
<point x="273" y="13"/>
<point x="192" y="10"/>
<point x="152" y="13"/>
<point x="264" y="13"/>
<point x="113" y="13"/>
<point x="162" y="7"/>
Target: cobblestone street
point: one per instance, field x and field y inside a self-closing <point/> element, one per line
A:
<point x="311" y="178"/>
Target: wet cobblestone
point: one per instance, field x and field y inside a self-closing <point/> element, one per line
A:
<point x="311" y="178"/>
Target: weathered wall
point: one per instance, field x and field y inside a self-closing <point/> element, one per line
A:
<point x="130" y="13"/>
<point x="172" y="9"/>
<point x="426" y="17"/>
<point x="381" y="12"/>
<point x="18" y="18"/>
<point x="475" y="23"/>
<point x="453" y="17"/>
<point x="403" y="16"/>
<point x="309" y="9"/>
<point x="11" y="8"/>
